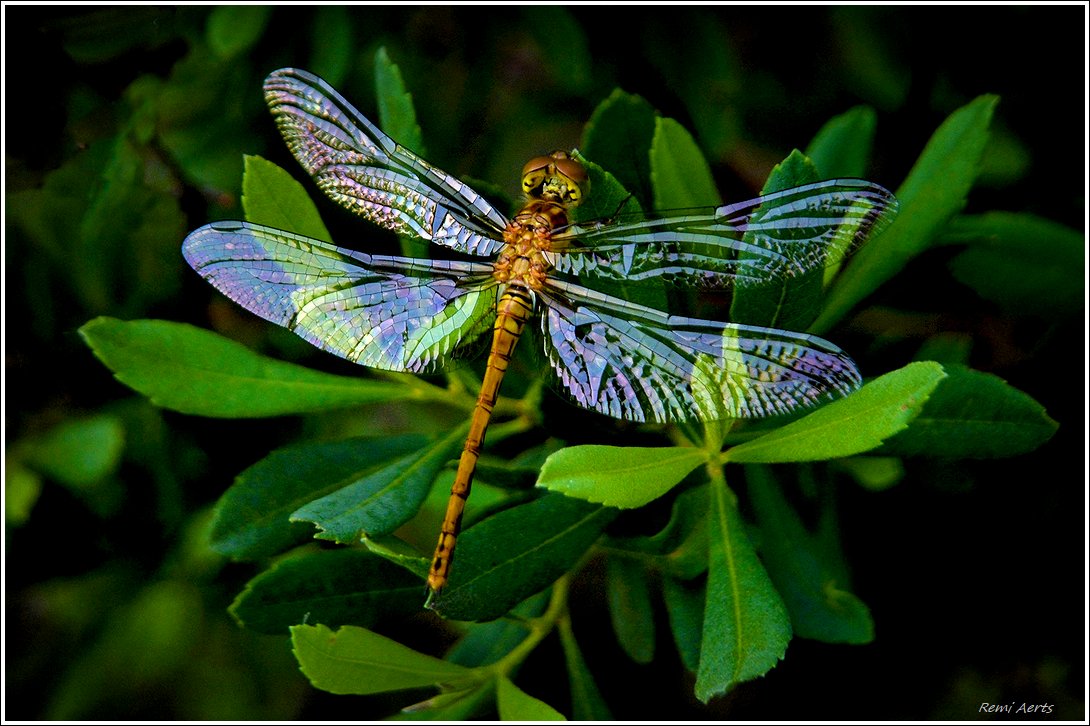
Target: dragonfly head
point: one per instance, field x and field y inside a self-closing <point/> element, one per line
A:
<point x="555" y="178"/>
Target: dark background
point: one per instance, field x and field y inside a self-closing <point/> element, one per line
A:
<point x="974" y="572"/>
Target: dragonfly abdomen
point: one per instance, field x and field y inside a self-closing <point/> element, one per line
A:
<point x="513" y="310"/>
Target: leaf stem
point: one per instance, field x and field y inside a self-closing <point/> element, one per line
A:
<point x="539" y="627"/>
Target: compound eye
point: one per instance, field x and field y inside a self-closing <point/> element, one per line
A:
<point x="538" y="163"/>
<point x="571" y="168"/>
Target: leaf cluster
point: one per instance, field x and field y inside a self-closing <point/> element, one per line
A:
<point x="736" y="591"/>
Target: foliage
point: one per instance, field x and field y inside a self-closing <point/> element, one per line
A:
<point x="725" y="541"/>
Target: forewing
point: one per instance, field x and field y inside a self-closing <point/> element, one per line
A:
<point x="392" y="313"/>
<point x="636" y="363"/>
<point x="778" y="235"/>
<point x="369" y="173"/>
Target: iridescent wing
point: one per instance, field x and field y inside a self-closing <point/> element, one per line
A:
<point x="366" y="171"/>
<point x="637" y="363"/>
<point x="778" y="235"/>
<point x="393" y="313"/>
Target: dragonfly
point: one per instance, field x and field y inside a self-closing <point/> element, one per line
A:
<point x="537" y="269"/>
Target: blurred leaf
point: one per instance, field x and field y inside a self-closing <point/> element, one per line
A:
<point x="397" y="117"/>
<point x="934" y="191"/>
<point x="842" y="147"/>
<point x="21" y="489"/>
<point x="356" y="661"/>
<point x="505" y="558"/>
<point x="947" y="348"/>
<point x="746" y="628"/>
<point x="207" y="109"/>
<point x="680" y="175"/>
<point x="252" y="518"/>
<point x="270" y="196"/>
<point x="618" y="137"/>
<point x="628" y="594"/>
<point x="871" y="68"/>
<point x="1020" y="261"/>
<point x="333" y="587"/>
<point x="820" y="606"/>
<point x="685" y="609"/>
<point x="332" y="43"/>
<point x="98" y="209"/>
<point x="876" y="473"/>
<point x="382" y="500"/>
<point x="233" y="29"/>
<point x="187" y="369"/>
<point x="791" y="301"/>
<point x="98" y="35"/>
<point x="850" y="425"/>
<point x="714" y="96"/>
<point x="516" y="705"/>
<point x="79" y="452"/>
<point x="586" y="701"/>
<point x="564" y="43"/>
<point x="618" y="476"/>
<point x="974" y="415"/>
<point x="143" y="643"/>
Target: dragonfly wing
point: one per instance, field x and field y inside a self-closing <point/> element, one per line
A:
<point x="778" y="235"/>
<point x="637" y="363"/>
<point x="366" y="171"/>
<point x="393" y="313"/>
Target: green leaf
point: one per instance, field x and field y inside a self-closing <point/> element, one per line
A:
<point x="486" y="643"/>
<point x="397" y="116"/>
<point x="79" y="452"/>
<point x="586" y="701"/>
<point x="618" y="137"/>
<point x="505" y="558"/>
<point x="842" y="147"/>
<point x="332" y="587"/>
<point x="356" y="661"/>
<point x="746" y="628"/>
<point x="792" y="301"/>
<point x="618" y="476"/>
<point x="680" y="175"/>
<point x="252" y="518"/>
<point x="516" y="705"/>
<point x="272" y="197"/>
<point x="187" y="369"/>
<point x="685" y="610"/>
<point x="450" y="706"/>
<point x="851" y="425"/>
<point x="629" y="596"/>
<point x="1020" y="261"/>
<point x="608" y="197"/>
<point x="681" y="547"/>
<point x="934" y="191"/>
<point x="233" y="29"/>
<point x="381" y="500"/>
<point x="820" y="606"/>
<point x="974" y="415"/>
